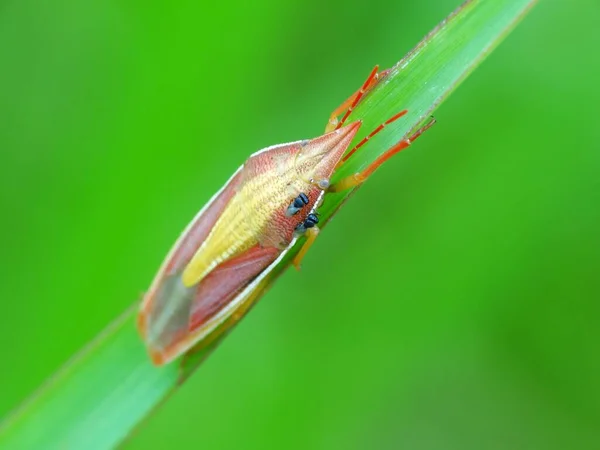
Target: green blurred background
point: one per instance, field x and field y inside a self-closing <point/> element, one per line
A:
<point x="452" y="304"/>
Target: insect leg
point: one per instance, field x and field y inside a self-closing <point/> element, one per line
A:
<point x="359" y="178"/>
<point x="311" y="236"/>
<point x="350" y="103"/>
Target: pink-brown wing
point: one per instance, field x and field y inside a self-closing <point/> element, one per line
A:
<point x="207" y="302"/>
<point x="226" y="281"/>
<point x="166" y="306"/>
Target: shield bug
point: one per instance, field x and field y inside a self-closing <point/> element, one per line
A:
<point x="219" y="262"/>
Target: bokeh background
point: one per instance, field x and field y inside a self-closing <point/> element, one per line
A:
<point x="452" y="304"/>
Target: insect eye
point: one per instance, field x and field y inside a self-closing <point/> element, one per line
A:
<point x="312" y="218"/>
<point x="301" y="200"/>
<point x="323" y="184"/>
<point x="297" y="204"/>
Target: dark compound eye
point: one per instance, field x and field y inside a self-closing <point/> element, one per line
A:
<point x="299" y="202"/>
<point x="311" y="221"/>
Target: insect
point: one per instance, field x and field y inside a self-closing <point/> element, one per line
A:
<point x="243" y="232"/>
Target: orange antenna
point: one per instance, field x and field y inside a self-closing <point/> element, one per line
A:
<point x="373" y="133"/>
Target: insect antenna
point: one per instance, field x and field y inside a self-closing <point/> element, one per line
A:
<point x="373" y="133"/>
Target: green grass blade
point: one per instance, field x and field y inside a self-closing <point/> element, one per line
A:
<point x="97" y="399"/>
<point x="104" y="393"/>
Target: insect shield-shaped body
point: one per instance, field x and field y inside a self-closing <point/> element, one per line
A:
<point x="235" y="241"/>
<point x="222" y="261"/>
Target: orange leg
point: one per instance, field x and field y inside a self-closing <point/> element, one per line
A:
<point x="359" y="178"/>
<point x="350" y="103"/>
<point x="311" y="236"/>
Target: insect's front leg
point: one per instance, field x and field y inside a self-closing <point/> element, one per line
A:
<point x="310" y="229"/>
<point x="360" y="177"/>
<point x="350" y="103"/>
